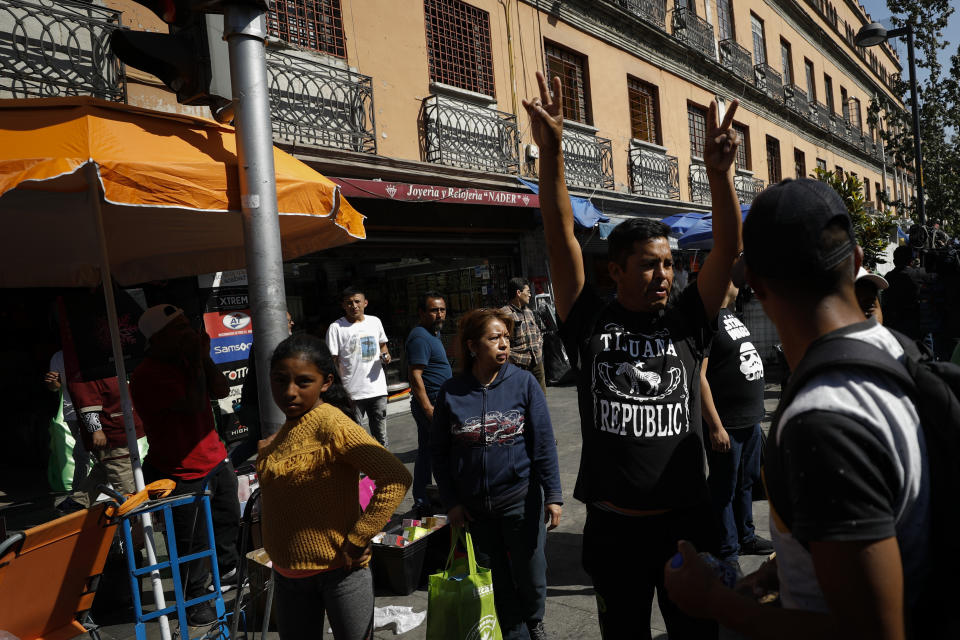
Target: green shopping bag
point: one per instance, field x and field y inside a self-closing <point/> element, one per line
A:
<point x="60" y="467"/>
<point x="460" y="599"/>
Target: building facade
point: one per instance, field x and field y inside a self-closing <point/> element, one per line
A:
<point x="413" y="106"/>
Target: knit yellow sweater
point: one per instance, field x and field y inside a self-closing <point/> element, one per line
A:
<point x="308" y="483"/>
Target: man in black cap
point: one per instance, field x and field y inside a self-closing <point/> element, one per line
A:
<point x="844" y="468"/>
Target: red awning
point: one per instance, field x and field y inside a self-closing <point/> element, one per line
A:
<point x="406" y="192"/>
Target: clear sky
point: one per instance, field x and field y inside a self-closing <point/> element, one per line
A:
<point x="879" y="12"/>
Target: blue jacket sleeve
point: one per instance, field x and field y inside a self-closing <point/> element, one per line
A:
<point x="440" y="451"/>
<point x="543" y="454"/>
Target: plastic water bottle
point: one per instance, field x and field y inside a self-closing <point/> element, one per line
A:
<point x="726" y="572"/>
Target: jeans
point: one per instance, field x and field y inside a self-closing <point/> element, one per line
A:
<point x="624" y="557"/>
<point x="346" y="597"/>
<point x="422" y="469"/>
<point x="511" y="545"/>
<point x="225" y="511"/>
<point x="732" y="476"/>
<point x="376" y="412"/>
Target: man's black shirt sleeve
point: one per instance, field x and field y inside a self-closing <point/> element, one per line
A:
<point x="579" y="322"/>
<point x="840" y="478"/>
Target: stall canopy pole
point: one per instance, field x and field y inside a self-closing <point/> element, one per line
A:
<point x="93" y="180"/>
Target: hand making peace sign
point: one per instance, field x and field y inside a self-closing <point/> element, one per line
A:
<point x="720" y="147"/>
<point x="546" y="116"/>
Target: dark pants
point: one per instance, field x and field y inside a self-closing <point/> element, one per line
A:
<point x="376" y="411"/>
<point x="511" y="545"/>
<point x="732" y="477"/>
<point x="422" y="469"/>
<point x="346" y="598"/>
<point x="225" y="511"/>
<point x="625" y="556"/>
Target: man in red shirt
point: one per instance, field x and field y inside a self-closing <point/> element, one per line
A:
<point x="97" y="403"/>
<point x="171" y="390"/>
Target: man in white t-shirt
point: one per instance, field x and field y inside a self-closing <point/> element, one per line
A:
<point x="359" y="346"/>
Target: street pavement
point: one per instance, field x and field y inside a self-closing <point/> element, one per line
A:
<point x="571" y="611"/>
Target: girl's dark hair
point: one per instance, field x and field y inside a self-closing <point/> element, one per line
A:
<point x="314" y="350"/>
<point x="472" y="326"/>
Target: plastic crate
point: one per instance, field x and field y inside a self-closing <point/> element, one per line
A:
<point x="402" y="569"/>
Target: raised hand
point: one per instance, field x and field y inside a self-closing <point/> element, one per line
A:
<point x="720" y="147"/>
<point x="546" y="116"/>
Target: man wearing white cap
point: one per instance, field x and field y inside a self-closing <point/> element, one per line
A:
<point x="868" y="287"/>
<point x="171" y="390"/>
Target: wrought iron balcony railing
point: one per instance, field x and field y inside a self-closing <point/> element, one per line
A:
<point x="654" y="174"/>
<point x="838" y="125"/>
<point x="653" y="11"/>
<point x="313" y="103"/>
<point x="587" y="160"/>
<point x="699" y="185"/>
<point x="796" y="99"/>
<point x="462" y="134"/>
<point x="50" y="49"/>
<point x="768" y="81"/>
<point x="736" y="58"/>
<point x="690" y="28"/>
<point x="820" y="115"/>
<point x="747" y="187"/>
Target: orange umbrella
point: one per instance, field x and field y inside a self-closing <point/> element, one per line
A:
<point x="170" y="195"/>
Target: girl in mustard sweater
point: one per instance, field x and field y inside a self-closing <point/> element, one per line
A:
<point x="313" y="529"/>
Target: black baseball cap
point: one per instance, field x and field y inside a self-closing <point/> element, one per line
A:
<point x="782" y="232"/>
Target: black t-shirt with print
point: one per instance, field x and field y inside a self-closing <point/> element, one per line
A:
<point x="639" y="394"/>
<point x="735" y="374"/>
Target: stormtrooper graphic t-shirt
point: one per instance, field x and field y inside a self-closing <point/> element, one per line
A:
<point x="735" y="374"/>
<point x="639" y="392"/>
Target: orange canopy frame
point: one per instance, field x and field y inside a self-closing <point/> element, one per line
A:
<point x="170" y="195"/>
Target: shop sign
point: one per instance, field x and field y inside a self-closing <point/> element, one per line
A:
<point x="227" y="300"/>
<point x="220" y="324"/>
<point x="231" y="348"/>
<point x="429" y="193"/>
<point x="233" y="278"/>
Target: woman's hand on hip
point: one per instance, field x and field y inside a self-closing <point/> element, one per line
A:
<point x="353" y="556"/>
<point x="551" y="515"/>
<point x="458" y="516"/>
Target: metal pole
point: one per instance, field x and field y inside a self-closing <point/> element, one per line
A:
<point x="245" y="32"/>
<point x="918" y="156"/>
<point x="93" y="182"/>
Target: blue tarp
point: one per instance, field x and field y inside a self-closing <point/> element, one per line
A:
<point x="680" y="223"/>
<point x="584" y="213"/>
<point x="700" y="235"/>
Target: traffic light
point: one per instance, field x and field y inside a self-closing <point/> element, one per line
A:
<point x="192" y="60"/>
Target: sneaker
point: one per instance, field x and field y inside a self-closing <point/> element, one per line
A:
<point x="537" y="632"/>
<point x="201" y="615"/>
<point x="228" y="581"/>
<point x="756" y="547"/>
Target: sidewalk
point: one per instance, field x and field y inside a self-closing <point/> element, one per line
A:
<point x="571" y="608"/>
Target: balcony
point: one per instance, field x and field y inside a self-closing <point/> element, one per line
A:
<point x="747" y="187"/>
<point x="838" y="126"/>
<point x="50" y="49"/>
<point x="587" y="160"/>
<point x="768" y="81"/>
<point x="699" y="185"/>
<point x="736" y="59"/>
<point x="316" y="104"/>
<point x="796" y="100"/>
<point x="652" y="11"/>
<point x="654" y="174"/>
<point x="463" y="134"/>
<point x="696" y="32"/>
<point x="820" y="115"/>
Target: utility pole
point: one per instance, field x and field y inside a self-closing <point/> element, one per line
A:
<point x="245" y="32"/>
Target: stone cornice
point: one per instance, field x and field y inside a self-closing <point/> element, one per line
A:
<point x="611" y="24"/>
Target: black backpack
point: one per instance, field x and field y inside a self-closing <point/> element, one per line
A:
<point x="934" y="388"/>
